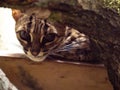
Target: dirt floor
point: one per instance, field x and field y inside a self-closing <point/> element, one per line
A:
<point x="48" y="75"/>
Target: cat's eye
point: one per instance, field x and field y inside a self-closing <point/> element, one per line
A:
<point x="24" y="35"/>
<point x="49" y="37"/>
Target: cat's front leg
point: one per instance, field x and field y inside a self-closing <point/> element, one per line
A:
<point x="75" y="48"/>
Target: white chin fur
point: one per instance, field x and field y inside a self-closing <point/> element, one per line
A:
<point x="37" y="59"/>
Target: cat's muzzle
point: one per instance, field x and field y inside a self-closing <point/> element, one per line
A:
<point x="37" y="58"/>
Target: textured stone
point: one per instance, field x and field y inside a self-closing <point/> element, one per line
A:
<point x="5" y="84"/>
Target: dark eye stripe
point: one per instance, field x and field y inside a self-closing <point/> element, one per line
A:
<point x="45" y="28"/>
<point x="31" y="17"/>
<point x="29" y="26"/>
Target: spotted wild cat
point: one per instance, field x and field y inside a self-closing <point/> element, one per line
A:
<point x="41" y="39"/>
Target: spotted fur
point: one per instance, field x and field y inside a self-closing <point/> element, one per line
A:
<point x="41" y="39"/>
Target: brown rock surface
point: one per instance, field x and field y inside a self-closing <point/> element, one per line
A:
<point x="48" y="75"/>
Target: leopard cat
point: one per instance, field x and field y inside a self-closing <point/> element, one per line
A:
<point x="41" y="39"/>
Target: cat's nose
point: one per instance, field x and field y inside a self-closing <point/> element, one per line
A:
<point x="35" y="53"/>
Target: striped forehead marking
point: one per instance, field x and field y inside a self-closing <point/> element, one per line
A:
<point x="29" y="24"/>
<point x="39" y="26"/>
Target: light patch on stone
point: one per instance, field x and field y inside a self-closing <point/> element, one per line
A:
<point x="5" y="84"/>
<point x="8" y="41"/>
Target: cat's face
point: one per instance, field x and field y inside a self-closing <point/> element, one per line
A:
<point x="37" y="36"/>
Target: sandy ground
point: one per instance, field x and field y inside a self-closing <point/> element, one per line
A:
<point x="49" y="75"/>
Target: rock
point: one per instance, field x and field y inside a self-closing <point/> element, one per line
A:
<point x="91" y="4"/>
<point x="5" y="84"/>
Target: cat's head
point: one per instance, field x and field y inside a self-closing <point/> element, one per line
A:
<point x="38" y="37"/>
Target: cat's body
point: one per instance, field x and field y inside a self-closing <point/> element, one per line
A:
<point x="41" y="39"/>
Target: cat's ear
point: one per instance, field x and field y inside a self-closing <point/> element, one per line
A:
<point x="16" y="14"/>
